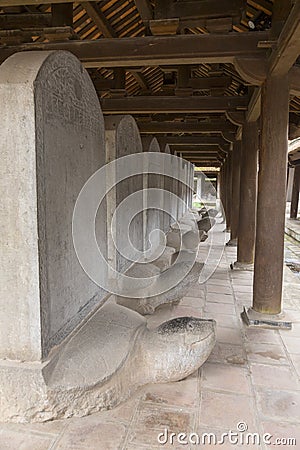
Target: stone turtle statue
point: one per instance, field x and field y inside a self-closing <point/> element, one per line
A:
<point x="115" y="353"/>
<point x="188" y="240"/>
<point x="206" y="224"/>
<point x="147" y="303"/>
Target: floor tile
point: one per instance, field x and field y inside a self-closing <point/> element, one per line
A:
<point x="13" y="440"/>
<point x="219" y="308"/>
<point x="219" y="439"/>
<point x="181" y="393"/>
<point x="279" y="405"/>
<point x="281" y="430"/>
<point x="266" y="353"/>
<point x="221" y="377"/>
<point x="229" y="335"/>
<point x="274" y="377"/>
<point x="261" y="336"/>
<point x="219" y="289"/>
<point x="217" y="297"/>
<point x="195" y="302"/>
<point x="226" y="410"/>
<point x="296" y="363"/>
<point x="157" y="417"/>
<point x="292" y="344"/>
<point x="90" y="433"/>
<point x="224" y="320"/>
<point x="228" y="353"/>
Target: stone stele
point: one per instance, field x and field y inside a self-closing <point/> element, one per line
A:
<point x="123" y="138"/>
<point x="52" y="141"/>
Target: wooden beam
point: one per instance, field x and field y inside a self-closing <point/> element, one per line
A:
<point x="155" y="50"/>
<point x="281" y="10"/>
<point x="196" y="140"/>
<point x="206" y="9"/>
<point x="206" y="84"/>
<point x="195" y="148"/>
<point x="161" y="104"/>
<point x="288" y="46"/>
<point x="144" y="9"/>
<point x="4" y="3"/>
<point x="14" y="21"/>
<point x="200" y="157"/>
<point x="199" y="153"/>
<point x="62" y="14"/>
<point x="254" y="106"/>
<point x="185" y="127"/>
<point x="103" y="84"/>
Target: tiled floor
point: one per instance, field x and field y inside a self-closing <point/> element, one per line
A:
<point x="252" y="376"/>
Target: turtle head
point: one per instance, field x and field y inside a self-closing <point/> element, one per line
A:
<point x="184" y="344"/>
<point x="188" y="330"/>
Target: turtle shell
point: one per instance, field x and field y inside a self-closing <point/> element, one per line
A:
<point x="98" y="349"/>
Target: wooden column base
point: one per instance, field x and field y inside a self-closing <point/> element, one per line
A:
<point x="254" y="319"/>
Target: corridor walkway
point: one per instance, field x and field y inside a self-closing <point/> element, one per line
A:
<point x="251" y="377"/>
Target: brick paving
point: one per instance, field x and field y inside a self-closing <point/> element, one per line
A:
<point x="252" y="376"/>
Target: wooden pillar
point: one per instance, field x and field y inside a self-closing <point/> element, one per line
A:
<point x="228" y="190"/>
<point x="248" y="193"/>
<point x="295" y="193"/>
<point x="269" y="245"/>
<point x="222" y="185"/>
<point x="235" y="192"/>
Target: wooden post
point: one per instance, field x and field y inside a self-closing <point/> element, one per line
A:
<point x="228" y="190"/>
<point x="235" y="192"/>
<point x="62" y="14"/>
<point x="295" y="193"/>
<point x="271" y="202"/>
<point x="248" y="194"/>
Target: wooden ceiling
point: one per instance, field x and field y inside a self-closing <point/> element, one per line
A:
<point x="169" y="97"/>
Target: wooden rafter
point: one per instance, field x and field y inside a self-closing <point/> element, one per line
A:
<point x="288" y="46"/>
<point x="99" y="19"/>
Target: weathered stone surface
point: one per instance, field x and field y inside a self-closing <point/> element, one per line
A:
<point x="106" y="361"/>
<point x="165" y="259"/>
<point x="52" y="140"/>
<point x="153" y="218"/>
<point x="123" y="138"/>
<point x="170" y="185"/>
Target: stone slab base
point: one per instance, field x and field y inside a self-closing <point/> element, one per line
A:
<point x="242" y="266"/>
<point x="254" y="319"/>
<point x="23" y="393"/>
